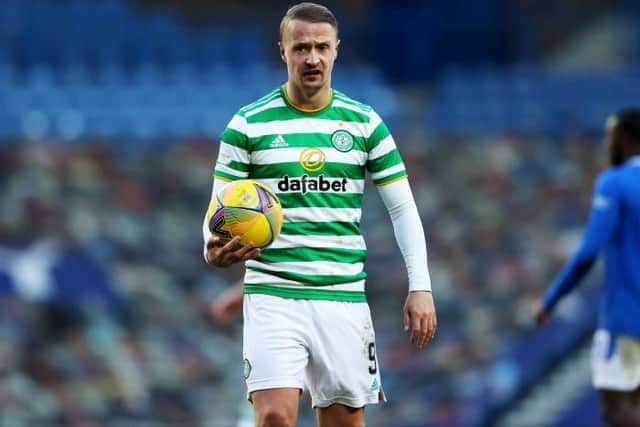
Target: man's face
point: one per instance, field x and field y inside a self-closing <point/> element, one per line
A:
<point x="613" y="142"/>
<point x="309" y="50"/>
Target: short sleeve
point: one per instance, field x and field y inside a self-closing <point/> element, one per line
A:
<point x="383" y="158"/>
<point x="233" y="156"/>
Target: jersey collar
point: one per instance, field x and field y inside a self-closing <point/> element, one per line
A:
<point x="285" y="95"/>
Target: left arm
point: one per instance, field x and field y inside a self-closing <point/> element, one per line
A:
<point x="388" y="173"/>
<point x="419" y="313"/>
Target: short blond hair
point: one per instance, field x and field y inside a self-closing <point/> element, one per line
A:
<point x="309" y="12"/>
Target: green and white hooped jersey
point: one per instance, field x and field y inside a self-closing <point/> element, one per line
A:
<point x="315" y="161"/>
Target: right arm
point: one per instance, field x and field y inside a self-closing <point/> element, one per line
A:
<point x="232" y="164"/>
<point x="602" y="221"/>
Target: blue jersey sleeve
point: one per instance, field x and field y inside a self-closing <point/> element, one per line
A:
<point x="602" y="221"/>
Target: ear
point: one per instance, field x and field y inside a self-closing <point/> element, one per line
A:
<point x="282" y="55"/>
<point x="337" y="48"/>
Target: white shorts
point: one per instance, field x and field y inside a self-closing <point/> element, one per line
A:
<point x="327" y="347"/>
<point x="615" y="362"/>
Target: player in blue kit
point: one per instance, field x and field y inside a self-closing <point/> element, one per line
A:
<point x="613" y="232"/>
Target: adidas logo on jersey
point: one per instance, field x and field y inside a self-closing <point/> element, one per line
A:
<point x="307" y="183"/>
<point x="279" y="141"/>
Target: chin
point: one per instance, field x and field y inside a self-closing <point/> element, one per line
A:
<point x="313" y="85"/>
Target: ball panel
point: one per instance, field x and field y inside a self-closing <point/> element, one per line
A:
<point x="264" y="198"/>
<point x="240" y="194"/>
<point x="214" y="204"/>
<point x="240" y="220"/>
<point x="275" y="218"/>
<point x="273" y="210"/>
<point x="259" y="232"/>
<point x="216" y="219"/>
<point x="217" y="225"/>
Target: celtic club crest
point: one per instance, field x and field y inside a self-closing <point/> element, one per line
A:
<point x="342" y="140"/>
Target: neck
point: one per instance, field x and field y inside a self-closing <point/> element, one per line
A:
<point x="308" y="100"/>
<point x="630" y="149"/>
<point x="633" y="153"/>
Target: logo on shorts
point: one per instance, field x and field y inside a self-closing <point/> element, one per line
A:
<point x="342" y="140"/>
<point x="374" y="385"/>
<point x="247" y="368"/>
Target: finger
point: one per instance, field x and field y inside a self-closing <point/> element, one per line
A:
<point x="425" y="335"/>
<point x="215" y="247"/>
<point x="406" y="320"/>
<point x="240" y="253"/>
<point x="218" y="257"/>
<point x="232" y="245"/>
<point x="433" y="325"/>
<point x="229" y="258"/>
<point x="415" y="329"/>
<point x="214" y="241"/>
<point x="252" y="254"/>
<point x="226" y="250"/>
<point x="429" y="326"/>
<point x="212" y="255"/>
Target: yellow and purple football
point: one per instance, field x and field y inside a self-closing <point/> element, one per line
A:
<point x="245" y="208"/>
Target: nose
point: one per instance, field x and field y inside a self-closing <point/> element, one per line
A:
<point x="312" y="58"/>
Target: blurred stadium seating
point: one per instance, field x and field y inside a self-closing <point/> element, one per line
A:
<point x="139" y="214"/>
<point x="530" y="99"/>
<point x="110" y="114"/>
<point x="148" y="101"/>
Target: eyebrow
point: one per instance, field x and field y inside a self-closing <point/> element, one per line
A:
<point x="309" y="43"/>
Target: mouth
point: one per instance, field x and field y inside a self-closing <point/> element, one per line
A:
<point x="312" y="73"/>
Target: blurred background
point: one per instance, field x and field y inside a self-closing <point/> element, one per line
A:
<point x="110" y="113"/>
